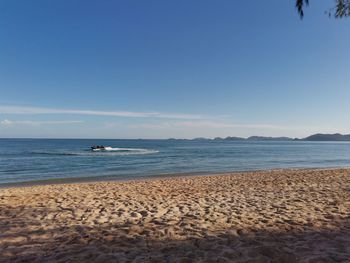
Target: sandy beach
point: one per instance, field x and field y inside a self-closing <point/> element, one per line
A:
<point x="272" y="216"/>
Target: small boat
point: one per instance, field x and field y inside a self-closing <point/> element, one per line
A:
<point x="96" y="148"/>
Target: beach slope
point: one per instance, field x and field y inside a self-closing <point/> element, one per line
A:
<point x="271" y="216"/>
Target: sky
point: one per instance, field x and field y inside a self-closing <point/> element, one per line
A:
<point x="161" y="69"/>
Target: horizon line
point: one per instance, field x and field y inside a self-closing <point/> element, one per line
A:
<point x="170" y="138"/>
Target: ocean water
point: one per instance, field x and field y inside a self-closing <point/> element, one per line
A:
<point x="26" y="160"/>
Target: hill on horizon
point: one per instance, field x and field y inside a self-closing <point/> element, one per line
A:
<point x="314" y="137"/>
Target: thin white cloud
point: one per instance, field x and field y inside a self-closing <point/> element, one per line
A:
<point x="7" y="122"/>
<point x="213" y="124"/>
<point x="130" y="114"/>
<point x="209" y="124"/>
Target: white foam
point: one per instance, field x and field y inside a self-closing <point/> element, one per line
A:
<point x="123" y="151"/>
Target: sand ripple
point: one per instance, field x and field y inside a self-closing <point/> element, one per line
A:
<point x="275" y="216"/>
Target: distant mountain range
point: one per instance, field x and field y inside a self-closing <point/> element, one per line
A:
<point x="314" y="137"/>
<point x="254" y="138"/>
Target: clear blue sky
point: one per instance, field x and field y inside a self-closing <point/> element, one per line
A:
<point x="158" y="69"/>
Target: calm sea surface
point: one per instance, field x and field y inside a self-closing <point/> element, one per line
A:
<point x="23" y="160"/>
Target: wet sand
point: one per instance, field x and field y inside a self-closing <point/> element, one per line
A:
<point x="272" y="216"/>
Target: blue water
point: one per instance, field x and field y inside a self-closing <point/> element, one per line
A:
<point x="23" y="160"/>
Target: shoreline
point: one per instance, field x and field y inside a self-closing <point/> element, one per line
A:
<point x="96" y="179"/>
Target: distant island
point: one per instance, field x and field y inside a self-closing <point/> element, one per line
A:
<point x="314" y="137"/>
<point x="328" y="137"/>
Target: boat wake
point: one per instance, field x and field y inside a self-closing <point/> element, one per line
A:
<point x="108" y="151"/>
<point x="124" y="151"/>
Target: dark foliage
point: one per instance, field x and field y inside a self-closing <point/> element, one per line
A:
<point x="341" y="9"/>
<point x="300" y="6"/>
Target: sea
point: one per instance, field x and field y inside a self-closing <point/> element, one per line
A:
<point x="69" y="160"/>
